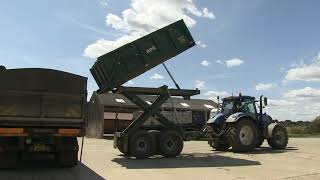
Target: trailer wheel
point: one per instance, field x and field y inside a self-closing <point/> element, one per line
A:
<point x="67" y="154"/>
<point x="155" y="136"/>
<point x="170" y="143"/>
<point x="142" y="145"/>
<point x="120" y="146"/>
<point x="9" y="160"/>
<point x="243" y="136"/>
<point x="279" y="139"/>
<point x="10" y="155"/>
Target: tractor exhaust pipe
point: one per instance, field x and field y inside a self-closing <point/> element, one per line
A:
<point x="260" y="108"/>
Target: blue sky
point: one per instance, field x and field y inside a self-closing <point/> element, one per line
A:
<point x="254" y="47"/>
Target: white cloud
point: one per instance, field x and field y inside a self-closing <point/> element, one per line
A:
<point x="265" y="87"/>
<point x="298" y="104"/>
<point x="293" y="109"/>
<point x="219" y="62"/>
<point x="156" y="76"/>
<point x="201" y="44"/>
<point x="104" y="3"/>
<point x="200" y="84"/>
<point x="306" y="92"/>
<point x="303" y="72"/>
<point x="103" y="46"/>
<point x="205" y="63"/>
<point x="279" y="102"/>
<point x="144" y="17"/>
<point x="208" y="14"/>
<point x="234" y="62"/>
<point x="213" y="94"/>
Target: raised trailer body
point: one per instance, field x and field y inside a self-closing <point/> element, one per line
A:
<point x="41" y="111"/>
<point x="117" y="67"/>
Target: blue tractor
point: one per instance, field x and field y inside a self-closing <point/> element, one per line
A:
<point x="240" y="125"/>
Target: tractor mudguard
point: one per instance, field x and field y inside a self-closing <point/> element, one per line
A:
<point x="236" y="116"/>
<point x="218" y="119"/>
<point x="271" y="127"/>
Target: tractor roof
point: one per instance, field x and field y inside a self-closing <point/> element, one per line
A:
<point x="238" y="97"/>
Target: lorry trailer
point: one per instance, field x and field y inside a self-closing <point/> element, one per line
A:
<point x="41" y="111"/>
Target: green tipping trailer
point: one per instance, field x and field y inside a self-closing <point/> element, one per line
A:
<point x="117" y="67"/>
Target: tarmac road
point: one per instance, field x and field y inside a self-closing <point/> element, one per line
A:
<point x="301" y="160"/>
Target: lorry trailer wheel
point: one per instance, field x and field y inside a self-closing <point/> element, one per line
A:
<point x="67" y="154"/>
<point x="10" y="155"/>
<point x="9" y="160"/>
<point x="243" y="136"/>
<point x="279" y="139"/>
<point x="67" y="158"/>
<point x="142" y="145"/>
<point x="170" y="143"/>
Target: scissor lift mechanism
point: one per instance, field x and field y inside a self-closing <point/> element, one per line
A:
<point x="149" y="110"/>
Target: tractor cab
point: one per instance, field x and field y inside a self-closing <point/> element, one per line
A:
<point x="244" y="104"/>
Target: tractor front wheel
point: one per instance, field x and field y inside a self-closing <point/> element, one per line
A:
<point x="220" y="145"/>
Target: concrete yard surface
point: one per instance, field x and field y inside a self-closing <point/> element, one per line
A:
<point x="301" y="160"/>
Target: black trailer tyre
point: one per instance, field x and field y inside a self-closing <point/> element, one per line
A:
<point x="243" y="136"/>
<point x="155" y="134"/>
<point x="10" y="157"/>
<point x="142" y="145"/>
<point x="67" y="155"/>
<point x="9" y="160"/>
<point x="120" y="145"/>
<point x="67" y="158"/>
<point x="170" y="143"/>
<point x="279" y="139"/>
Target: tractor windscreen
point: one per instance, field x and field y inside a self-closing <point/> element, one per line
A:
<point x="236" y="104"/>
<point x="228" y="107"/>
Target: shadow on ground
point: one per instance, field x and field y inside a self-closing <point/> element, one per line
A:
<point x="262" y="150"/>
<point x="184" y="161"/>
<point x="48" y="170"/>
<point x="268" y="150"/>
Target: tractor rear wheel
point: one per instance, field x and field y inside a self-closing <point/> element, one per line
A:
<point x="170" y="143"/>
<point x="142" y="145"/>
<point x="279" y="139"/>
<point x="243" y="136"/>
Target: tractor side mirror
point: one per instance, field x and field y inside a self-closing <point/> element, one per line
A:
<point x="265" y="101"/>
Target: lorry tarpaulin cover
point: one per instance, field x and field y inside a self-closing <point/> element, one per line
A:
<point x="117" y="67"/>
<point x="42" y="80"/>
